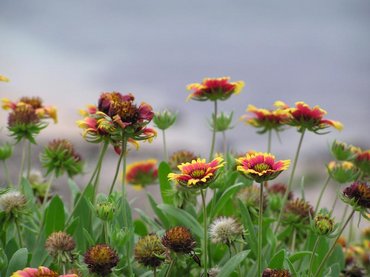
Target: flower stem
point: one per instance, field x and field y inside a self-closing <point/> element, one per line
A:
<point x="116" y="174"/>
<point x="165" y="154"/>
<point x="7" y="175"/>
<point x="29" y="160"/>
<point x="224" y="144"/>
<point x="46" y="196"/>
<point x="292" y="248"/>
<point x="99" y="165"/>
<point x="168" y="273"/>
<point x="290" y="182"/>
<point x="213" y="131"/>
<point x="205" y="230"/>
<point x="322" y="193"/>
<point x="333" y="245"/>
<point x="23" y="159"/>
<point x="313" y="255"/>
<point x="334" y="203"/>
<point x="154" y="271"/>
<point x="20" y="240"/>
<point x="269" y="141"/>
<point x="260" y="230"/>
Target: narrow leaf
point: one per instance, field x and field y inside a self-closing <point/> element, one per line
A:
<point x="18" y="261"/>
<point x="164" y="184"/>
<point x="54" y="216"/>
<point x="231" y="264"/>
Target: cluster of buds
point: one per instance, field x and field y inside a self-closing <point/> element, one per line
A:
<point x="59" y="157"/>
<point x="117" y="117"/>
<point x="27" y="117"/>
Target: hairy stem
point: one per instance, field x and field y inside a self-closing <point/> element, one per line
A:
<point x="165" y="154"/>
<point x="322" y="193"/>
<point x="205" y="232"/>
<point x="260" y="230"/>
<point x="213" y="131"/>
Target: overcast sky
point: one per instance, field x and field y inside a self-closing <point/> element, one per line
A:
<point x="68" y="52"/>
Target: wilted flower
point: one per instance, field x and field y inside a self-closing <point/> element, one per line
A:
<point x="34" y="103"/>
<point x="304" y="117"/>
<point x="323" y="223"/>
<point x="59" y="157"/>
<point x="297" y="212"/>
<point x="357" y="195"/>
<point x="225" y="230"/>
<point x="60" y="245"/>
<point x="149" y="251"/>
<point x="268" y="272"/>
<point x="214" y="89"/>
<point x="6" y="151"/>
<point x="3" y="78"/>
<point x="13" y="202"/>
<point x="197" y="174"/>
<point x="265" y="120"/>
<point x="179" y="157"/>
<point x="250" y="196"/>
<point x="105" y="209"/>
<point x="223" y="122"/>
<point x="179" y="239"/>
<point x="343" y="172"/>
<point x="164" y="120"/>
<point x="142" y="173"/>
<point x="343" y="151"/>
<point x="23" y="123"/>
<point x="100" y="259"/>
<point x="261" y="166"/>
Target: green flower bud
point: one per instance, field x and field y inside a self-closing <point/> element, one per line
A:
<point x="343" y="151"/>
<point x="6" y="151"/>
<point x="222" y="122"/>
<point x="105" y="210"/>
<point x="343" y="172"/>
<point x="164" y="120"/>
<point x="324" y="224"/>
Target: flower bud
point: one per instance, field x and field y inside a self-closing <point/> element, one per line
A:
<point x="324" y="224"/>
<point x="342" y="151"/>
<point x="105" y="210"/>
<point x="343" y="172"/>
<point x="6" y="151"/>
<point x="222" y="122"/>
<point x="164" y="120"/>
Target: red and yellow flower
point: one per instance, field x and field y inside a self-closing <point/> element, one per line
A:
<point x="3" y="78"/>
<point x="42" y="271"/>
<point x="43" y="112"/>
<point x="358" y="196"/>
<point x="261" y="166"/>
<point x="264" y="119"/>
<point x="304" y="117"/>
<point x="214" y="89"/>
<point x="198" y="174"/>
<point x="142" y="173"/>
<point x="362" y="160"/>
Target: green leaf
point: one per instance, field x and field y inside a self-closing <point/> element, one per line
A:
<point x="54" y="216"/>
<point x="183" y="218"/>
<point x="231" y="264"/>
<point x="18" y="261"/>
<point x="299" y="255"/>
<point x="164" y="184"/>
<point x="248" y="224"/>
<point x="291" y="267"/>
<point x="88" y="237"/>
<point x="225" y="197"/>
<point x="277" y="261"/>
<point x="154" y="225"/>
<point x="158" y="212"/>
<point x="140" y="228"/>
<point x="333" y="271"/>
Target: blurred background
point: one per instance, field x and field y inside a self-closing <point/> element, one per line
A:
<point x="69" y="52"/>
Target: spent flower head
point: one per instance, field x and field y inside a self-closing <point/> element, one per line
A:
<point x="261" y="166"/>
<point x="214" y="89"/>
<point x="60" y="157"/>
<point x="60" y="245"/>
<point x="297" y="212"/>
<point x="265" y="120"/>
<point x="179" y="239"/>
<point x="304" y="117"/>
<point x="164" y="119"/>
<point x="142" y="173"/>
<point x="268" y="272"/>
<point x="358" y="196"/>
<point x="180" y="157"/>
<point x="198" y="174"/>
<point x="100" y="259"/>
<point x="343" y="172"/>
<point x="13" y="203"/>
<point x="225" y="230"/>
<point x="149" y="251"/>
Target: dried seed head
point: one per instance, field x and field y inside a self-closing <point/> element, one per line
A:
<point x="180" y="157"/>
<point x="179" y="239"/>
<point x="100" y="259"/>
<point x="298" y="211"/>
<point x="149" y="251"/>
<point x="225" y="230"/>
<point x="59" y="243"/>
<point x="268" y="272"/>
<point x="12" y="202"/>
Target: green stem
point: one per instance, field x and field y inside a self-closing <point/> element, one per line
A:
<point x="29" y="160"/>
<point x="293" y="240"/>
<point x="100" y="162"/>
<point x="313" y="255"/>
<point x="350" y="234"/>
<point x="154" y="271"/>
<point x="334" y="203"/>
<point x="322" y="193"/>
<point x="224" y="144"/>
<point x="168" y="273"/>
<point x="105" y="231"/>
<point x="291" y="177"/>
<point x="165" y="154"/>
<point x="23" y="159"/>
<point x="334" y="244"/>
<point x="260" y="230"/>
<point x="20" y="240"/>
<point x="118" y="167"/>
<point x="7" y="175"/>
<point x="269" y="141"/>
<point x="97" y="168"/>
<point x="205" y="232"/>
<point x="213" y="131"/>
<point x="46" y="196"/>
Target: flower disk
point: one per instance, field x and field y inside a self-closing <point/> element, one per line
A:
<point x="179" y="239"/>
<point x="197" y="174"/>
<point x="214" y="89"/>
<point x="261" y="166"/>
<point x="100" y="259"/>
